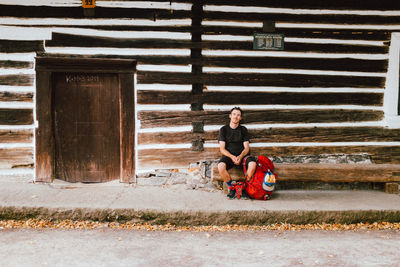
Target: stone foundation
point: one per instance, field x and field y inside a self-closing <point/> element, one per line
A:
<point x="198" y="175"/>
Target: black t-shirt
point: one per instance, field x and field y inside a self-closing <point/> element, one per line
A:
<point x="234" y="138"/>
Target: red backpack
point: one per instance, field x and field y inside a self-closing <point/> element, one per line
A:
<point x="262" y="184"/>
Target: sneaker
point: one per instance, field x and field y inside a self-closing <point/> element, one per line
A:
<point x="232" y="193"/>
<point x="245" y="195"/>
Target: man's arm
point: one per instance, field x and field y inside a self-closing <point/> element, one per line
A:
<point x="225" y="152"/>
<point x="245" y="151"/>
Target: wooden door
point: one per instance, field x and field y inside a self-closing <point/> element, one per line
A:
<point x="86" y="126"/>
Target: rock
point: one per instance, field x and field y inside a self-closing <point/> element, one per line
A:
<point x="178" y="178"/>
<point x="152" y="181"/>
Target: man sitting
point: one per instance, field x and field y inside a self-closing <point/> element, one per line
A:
<point x="234" y="145"/>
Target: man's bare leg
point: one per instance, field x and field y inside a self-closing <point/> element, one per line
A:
<point x="251" y="169"/>
<point x="223" y="172"/>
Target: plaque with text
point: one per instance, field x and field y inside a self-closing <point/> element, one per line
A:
<point x="268" y="41"/>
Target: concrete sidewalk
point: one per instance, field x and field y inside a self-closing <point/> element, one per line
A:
<point x="177" y="205"/>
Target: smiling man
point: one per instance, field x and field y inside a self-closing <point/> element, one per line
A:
<point x="234" y="146"/>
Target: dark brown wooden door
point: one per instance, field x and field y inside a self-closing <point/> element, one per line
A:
<point x="86" y="126"/>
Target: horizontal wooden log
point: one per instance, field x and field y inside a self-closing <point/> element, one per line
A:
<point x="18" y="97"/>
<point x="150" y="119"/>
<point x="16" y="116"/>
<point x="257" y="79"/>
<point x="61" y="39"/>
<point x="329" y="173"/>
<point x="16" y="158"/>
<point x="301" y="47"/>
<point x="16" y="136"/>
<point x="335" y="64"/>
<point x="16" y="64"/>
<point x="17" y="80"/>
<point x="326" y="134"/>
<point x="303" y="18"/>
<point x="65" y="40"/>
<point x="313" y="4"/>
<point x="174" y="158"/>
<point x="174" y="137"/>
<point x="100" y="12"/>
<point x="173" y="28"/>
<point x="20" y="46"/>
<point x="283" y="135"/>
<point x="259" y="98"/>
<point x="342" y="34"/>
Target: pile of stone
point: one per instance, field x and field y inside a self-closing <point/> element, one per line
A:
<point x="197" y="176"/>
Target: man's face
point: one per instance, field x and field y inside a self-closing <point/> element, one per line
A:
<point x="235" y="116"/>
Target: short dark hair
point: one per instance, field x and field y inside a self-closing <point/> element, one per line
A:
<point x="237" y="108"/>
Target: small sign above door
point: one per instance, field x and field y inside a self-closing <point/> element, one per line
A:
<point x="88" y="3"/>
<point x="268" y="41"/>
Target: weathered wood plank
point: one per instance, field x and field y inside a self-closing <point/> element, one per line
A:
<point x="326" y="134"/>
<point x="174" y="137"/>
<point x="127" y="121"/>
<point x="17" y="80"/>
<point x="16" y="136"/>
<point x="16" y="158"/>
<point x="301" y="47"/>
<point x="313" y="4"/>
<point x="342" y="34"/>
<point x="283" y="135"/>
<point x="142" y="59"/>
<point x="330" y="173"/>
<point x="16" y="64"/>
<point x="149" y="119"/>
<point x="260" y="98"/>
<point x="304" y="18"/>
<point x="256" y="79"/>
<point x="336" y="64"/>
<point x="100" y="12"/>
<point x="172" y="158"/>
<point x="18" y="97"/>
<point x="16" y="116"/>
<point x="18" y="46"/>
<point x="61" y="39"/>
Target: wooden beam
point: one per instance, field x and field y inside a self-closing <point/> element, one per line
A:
<point x="127" y="136"/>
<point x="16" y="136"/>
<point x="101" y="12"/>
<point x="260" y="98"/>
<point x="18" y="97"/>
<point x="16" y="158"/>
<point x="20" y="46"/>
<point x="17" y="80"/>
<point x="300" y="47"/>
<point x="304" y="18"/>
<point x="16" y="64"/>
<point x="330" y="173"/>
<point x="45" y="151"/>
<point x="257" y="79"/>
<point x="336" y="64"/>
<point x="342" y="34"/>
<point x="65" y="40"/>
<point x="150" y="119"/>
<point x="283" y="135"/>
<point x="172" y="158"/>
<point x="325" y="134"/>
<point x="16" y="116"/>
<point x="313" y="4"/>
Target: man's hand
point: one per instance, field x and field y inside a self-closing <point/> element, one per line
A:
<point x="236" y="160"/>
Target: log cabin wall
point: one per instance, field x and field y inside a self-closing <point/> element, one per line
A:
<point x="322" y="95"/>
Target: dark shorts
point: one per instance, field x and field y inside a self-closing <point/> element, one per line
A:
<point x="229" y="163"/>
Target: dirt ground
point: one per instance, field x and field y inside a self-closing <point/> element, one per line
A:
<point x="112" y="247"/>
